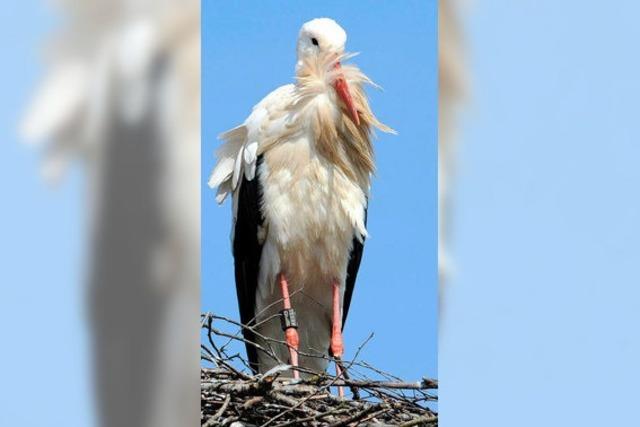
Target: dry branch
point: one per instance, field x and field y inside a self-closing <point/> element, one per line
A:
<point x="231" y="395"/>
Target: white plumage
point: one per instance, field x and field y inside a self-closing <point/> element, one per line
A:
<point x="314" y="179"/>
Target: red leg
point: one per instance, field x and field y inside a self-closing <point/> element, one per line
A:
<point x="291" y="333"/>
<point x="337" y="343"/>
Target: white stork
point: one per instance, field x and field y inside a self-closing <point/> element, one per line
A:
<point x="299" y="170"/>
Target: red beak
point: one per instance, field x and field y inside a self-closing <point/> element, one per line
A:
<point x="342" y="89"/>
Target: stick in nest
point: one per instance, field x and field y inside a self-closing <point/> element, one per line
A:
<point x="230" y="393"/>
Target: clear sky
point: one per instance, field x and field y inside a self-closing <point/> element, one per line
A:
<point x="41" y="298"/>
<point x="249" y="50"/>
<point x="542" y="322"/>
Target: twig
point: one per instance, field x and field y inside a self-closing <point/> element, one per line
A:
<point x="217" y="415"/>
<point x="230" y="392"/>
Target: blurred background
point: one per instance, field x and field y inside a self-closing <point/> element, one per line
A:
<point x="101" y="226"/>
<point x="539" y="302"/>
<point x="41" y="251"/>
<point x="540" y="315"/>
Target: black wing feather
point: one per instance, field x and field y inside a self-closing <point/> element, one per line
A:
<point x="247" y="251"/>
<point x="352" y="272"/>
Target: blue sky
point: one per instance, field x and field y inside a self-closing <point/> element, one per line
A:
<point x="41" y="297"/>
<point x="249" y="50"/>
<point x="542" y="319"/>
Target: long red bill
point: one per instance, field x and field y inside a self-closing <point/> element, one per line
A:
<point x="342" y="89"/>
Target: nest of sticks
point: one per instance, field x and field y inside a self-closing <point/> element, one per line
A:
<point x="231" y="395"/>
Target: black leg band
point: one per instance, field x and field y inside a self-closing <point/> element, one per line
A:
<point x="288" y="319"/>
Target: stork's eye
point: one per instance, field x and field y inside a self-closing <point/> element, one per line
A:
<point x="314" y="41"/>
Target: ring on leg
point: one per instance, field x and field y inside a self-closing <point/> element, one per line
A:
<point x="289" y="325"/>
<point x="290" y="328"/>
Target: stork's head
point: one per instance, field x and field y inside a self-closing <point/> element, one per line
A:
<point x="322" y="41"/>
<point x="321" y="36"/>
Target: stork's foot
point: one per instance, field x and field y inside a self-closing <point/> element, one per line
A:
<point x="339" y="375"/>
<point x="341" y="371"/>
<point x="290" y="326"/>
<point x="337" y="350"/>
<point x="337" y="342"/>
<point x="293" y="342"/>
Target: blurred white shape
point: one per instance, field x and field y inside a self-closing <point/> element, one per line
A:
<point x="60" y="99"/>
<point x="123" y="94"/>
<point x="135" y="52"/>
<point x="452" y="82"/>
